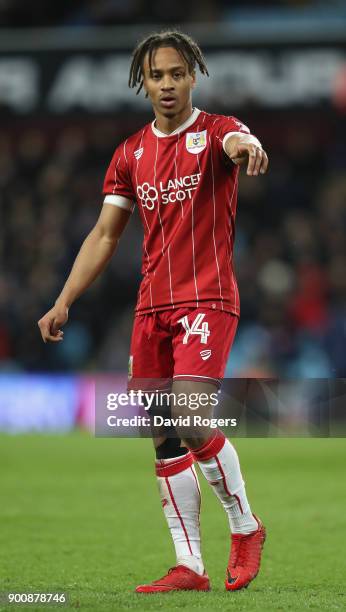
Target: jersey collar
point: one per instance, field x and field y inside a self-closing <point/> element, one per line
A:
<point x="181" y="127"/>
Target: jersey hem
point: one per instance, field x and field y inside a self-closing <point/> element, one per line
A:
<point x="210" y="304"/>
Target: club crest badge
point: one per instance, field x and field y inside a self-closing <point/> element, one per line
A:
<point x="196" y="141"/>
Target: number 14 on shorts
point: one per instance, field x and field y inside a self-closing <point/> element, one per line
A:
<point x="197" y="327"/>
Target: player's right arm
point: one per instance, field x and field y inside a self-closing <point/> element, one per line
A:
<point x="94" y="254"/>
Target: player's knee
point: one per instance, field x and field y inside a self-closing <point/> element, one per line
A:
<point x="171" y="447"/>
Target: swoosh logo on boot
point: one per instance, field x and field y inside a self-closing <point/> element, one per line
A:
<point x="230" y="579"/>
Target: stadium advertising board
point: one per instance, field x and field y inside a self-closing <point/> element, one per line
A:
<point x="57" y="82"/>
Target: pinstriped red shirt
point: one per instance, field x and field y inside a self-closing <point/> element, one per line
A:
<point x="185" y="189"/>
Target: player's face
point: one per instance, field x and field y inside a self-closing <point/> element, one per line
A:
<point x="168" y="82"/>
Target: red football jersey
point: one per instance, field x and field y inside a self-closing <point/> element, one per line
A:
<point x="185" y="188"/>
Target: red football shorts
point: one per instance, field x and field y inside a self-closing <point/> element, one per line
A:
<point x="180" y="344"/>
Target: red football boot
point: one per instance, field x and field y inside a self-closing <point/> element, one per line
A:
<point x="179" y="578"/>
<point x="245" y="558"/>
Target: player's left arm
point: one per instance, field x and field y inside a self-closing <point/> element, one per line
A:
<point x="246" y="149"/>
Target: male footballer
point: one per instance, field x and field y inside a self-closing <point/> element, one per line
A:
<point x="181" y="172"/>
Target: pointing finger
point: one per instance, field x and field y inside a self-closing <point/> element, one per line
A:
<point x="252" y="160"/>
<point x="258" y="161"/>
<point x="265" y="163"/>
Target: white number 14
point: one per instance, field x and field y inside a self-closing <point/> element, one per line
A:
<point x="197" y="328"/>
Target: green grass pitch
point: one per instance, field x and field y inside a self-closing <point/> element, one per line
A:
<point x="82" y="515"/>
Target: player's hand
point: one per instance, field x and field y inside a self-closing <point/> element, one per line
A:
<point x="51" y="323"/>
<point x="255" y="156"/>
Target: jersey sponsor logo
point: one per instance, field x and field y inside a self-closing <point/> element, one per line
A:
<point x="174" y="190"/>
<point x="196" y="141"/>
<point x="138" y="154"/>
<point x="198" y="327"/>
<point x="205" y="354"/>
<point x="147" y="195"/>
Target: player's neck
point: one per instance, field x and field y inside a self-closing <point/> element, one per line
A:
<point x="167" y="125"/>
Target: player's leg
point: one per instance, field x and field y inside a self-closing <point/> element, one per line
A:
<point x="180" y="499"/>
<point x="219" y="463"/>
<point x="176" y="476"/>
<point x="215" y="454"/>
<point x="179" y="490"/>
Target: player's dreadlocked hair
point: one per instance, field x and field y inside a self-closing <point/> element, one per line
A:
<point x="183" y="43"/>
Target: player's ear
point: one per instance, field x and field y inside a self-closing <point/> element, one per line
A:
<point x="145" y="76"/>
<point x="193" y="79"/>
<point x="144" y="87"/>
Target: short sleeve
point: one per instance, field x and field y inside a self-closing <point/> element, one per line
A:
<point x="224" y="128"/>
<point x="117" y="186"/>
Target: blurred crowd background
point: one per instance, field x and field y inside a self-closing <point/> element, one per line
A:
<point x="115" y="12"/>
<point x="290" y="232"/>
